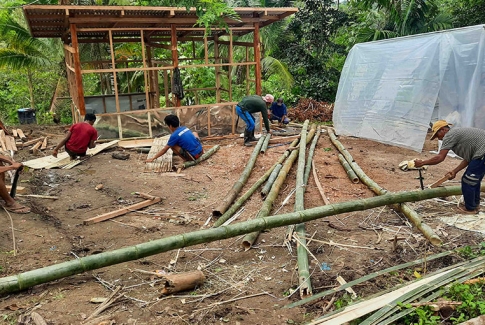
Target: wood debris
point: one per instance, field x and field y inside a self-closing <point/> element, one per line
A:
<point x="309" y="109"/>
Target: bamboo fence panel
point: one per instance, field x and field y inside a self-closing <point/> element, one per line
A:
<point x="162" y="164"/>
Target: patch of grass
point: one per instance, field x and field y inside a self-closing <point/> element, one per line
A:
<point x="469" y="253"/>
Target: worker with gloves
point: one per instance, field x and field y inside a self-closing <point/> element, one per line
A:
<point x="468" y="143"/>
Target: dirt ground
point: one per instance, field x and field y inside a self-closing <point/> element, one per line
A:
<point x="241" y="287"/>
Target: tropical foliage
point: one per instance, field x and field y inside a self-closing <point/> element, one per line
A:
<point x="301" y="56"/>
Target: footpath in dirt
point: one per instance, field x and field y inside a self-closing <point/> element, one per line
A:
<point x="239" y="286"/>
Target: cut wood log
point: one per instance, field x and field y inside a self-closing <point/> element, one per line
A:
<point x="173" y="283"/>
<point x="21" y="134"/>
<point x="35" y="149"/>
<point x="44" y="144"/>
<point x="117" y="213"/>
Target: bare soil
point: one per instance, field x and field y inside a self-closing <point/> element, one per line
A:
<point x="241" y="287"/>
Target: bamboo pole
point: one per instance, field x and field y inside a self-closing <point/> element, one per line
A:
<point x="236" y="188"/>
<point x="206" y="155"/>
<point x="350" y="172"/>
<point x="271" y="179"/>
<point x="250" y="238"/>
<point x="404" y="208"/>
<point x="29" y="279"/>
<point x="311" y="152"/>
<point x="301" y="247"/>
<point x="228" y="214"/>
<point x="264" y="147"/>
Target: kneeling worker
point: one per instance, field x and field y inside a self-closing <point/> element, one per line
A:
<point x="79" y="138"/>
<point x="182" y="141"/>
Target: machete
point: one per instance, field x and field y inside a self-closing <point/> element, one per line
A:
<point x="13" y="189"/>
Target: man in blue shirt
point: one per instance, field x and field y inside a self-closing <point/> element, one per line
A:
<point x="182" y="141"/>
<point x="278" y="112"/>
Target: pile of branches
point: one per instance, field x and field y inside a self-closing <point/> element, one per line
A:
<point x="309" y="109"/>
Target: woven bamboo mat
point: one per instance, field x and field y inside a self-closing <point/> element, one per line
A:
<point x="162" y="164"/>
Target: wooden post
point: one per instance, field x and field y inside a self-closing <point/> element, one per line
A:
<point x="115" y="82"/>
<point x="145" y="72"/>
<point x="175" y="57"/>
<point x="257" y="59"/>
<point x="81" y="106"/>
<point x="247" y="72"/>
<point x="166" y="87"/>
<point x="229" y="74"/>
<point x="217" y="70"/>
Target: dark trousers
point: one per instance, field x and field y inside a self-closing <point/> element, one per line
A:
<point x="470" y="183"/>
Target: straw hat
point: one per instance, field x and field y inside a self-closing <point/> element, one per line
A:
<point x="437" y="126"/>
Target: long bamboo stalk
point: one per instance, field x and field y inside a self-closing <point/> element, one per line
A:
<point x="236" y="188"/>
<point x="404" y="208"/>
<point x="29" y="279"/>
<point x="250" y="238"/>
<point x="264" y="147"/>
<point x="350" y="172"/>
<point x="301" y="249"/>
<point x="239" y="202"/>
<point x="311" y="152"/>
<point x="271" y="179"/>
<point x="206" y="155"/>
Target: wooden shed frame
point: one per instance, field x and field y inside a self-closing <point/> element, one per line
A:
<point x="153" y="28"/>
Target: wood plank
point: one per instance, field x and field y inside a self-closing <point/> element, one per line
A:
<point x="122" y="211"/>
<point x="21" y="134"/>
<point x="8" y="144"/>
<point x="31" y="142"/>
<point x="44" y="144"/>
<point x="2" y="140"/>
<point x="12" y="142"/>
<point x="135" y="143"/>
<point x="14" y="133"/>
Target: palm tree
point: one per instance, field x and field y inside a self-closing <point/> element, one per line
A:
<point x="20" y="51"/>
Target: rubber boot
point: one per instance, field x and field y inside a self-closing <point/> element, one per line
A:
<point x="247" y="134"/>
<point x="251" y="136"/>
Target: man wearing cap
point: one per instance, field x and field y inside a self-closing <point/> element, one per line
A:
<point x="253" y="104"/>
<point x="468" y="143"/>
<point x="278" y="112"/>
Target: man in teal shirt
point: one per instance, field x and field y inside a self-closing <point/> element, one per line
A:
<point x="253" y="104"/>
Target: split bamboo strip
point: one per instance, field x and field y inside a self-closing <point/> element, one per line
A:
<point x="301" y="247"/>
<point x="369" y="277"/>
<point x="253" y="188"/>
<point x="264" y="147"/>
<point x="350" y="172"/>
<point x="205" y="156"/>
<point x="272" y="178"/>
<point x="250" y="238"/>
<point x="404" y="208"/>
<point x="469" y="269"/>
<point x="236" y="188"/>
<point x="29" y="279"/>
<point x="393" y="318"/>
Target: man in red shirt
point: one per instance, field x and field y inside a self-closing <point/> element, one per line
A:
<point x="79" y="138"/>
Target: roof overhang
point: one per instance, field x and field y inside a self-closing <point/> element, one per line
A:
<point x="92" y="22"/>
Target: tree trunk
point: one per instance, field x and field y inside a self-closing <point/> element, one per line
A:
<point x="31" y="88"/>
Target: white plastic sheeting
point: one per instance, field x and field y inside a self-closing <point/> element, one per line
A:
<point x="390" y="90"/>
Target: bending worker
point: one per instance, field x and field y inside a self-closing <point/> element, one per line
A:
<point x="253" y="104"/>
<point x="468" y="143"/>
<point x="183" y="142"/>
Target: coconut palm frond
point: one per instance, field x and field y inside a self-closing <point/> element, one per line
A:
<point x="16" y="60"/>
<point x="271" y="65"/>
